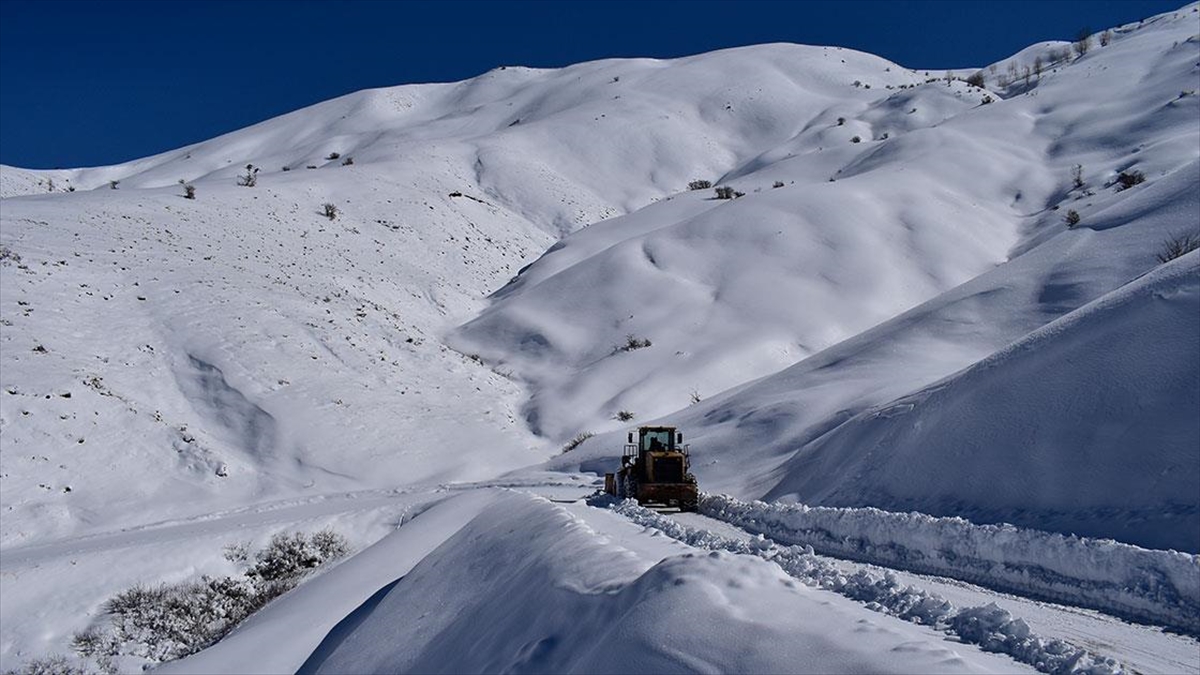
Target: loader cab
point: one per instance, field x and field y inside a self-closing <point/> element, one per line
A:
<point x="657" y="439"/>
<point x="658" y="453"/>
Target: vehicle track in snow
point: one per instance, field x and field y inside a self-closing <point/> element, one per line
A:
<point x="1160" y="588"/>
<point x="276" y="513"/>
<point x="1054" y="638"/>
<point x="1141" y="648"/>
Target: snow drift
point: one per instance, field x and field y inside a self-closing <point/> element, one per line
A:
<point x="1160" y="587"/>
<point x="1087" y="425"/>
<point x="522" y="585"/>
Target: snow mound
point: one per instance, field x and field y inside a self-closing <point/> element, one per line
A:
<point x="1153" y="586"/>
<point x="992" y="628"/>
<point x="500" y="581"/>
<point x="527" y="588"/>
<point x="1087" y="425"/>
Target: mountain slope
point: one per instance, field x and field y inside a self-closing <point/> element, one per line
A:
<point x="855" y="234"/>
<point x="759" y="441"/>
<point x="1086" y="425"/>
<point x="895" y="313"/>
<point x="159" y="315"/>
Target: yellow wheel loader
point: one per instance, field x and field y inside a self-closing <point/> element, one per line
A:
<point x="655" y="470"/>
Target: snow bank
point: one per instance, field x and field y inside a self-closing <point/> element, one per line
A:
<point x="1156" y="586"/>
<point x="296" y="623"/>
<point x="990" y="627"/>
<point x="527" y="586"/>
<point x="1088" y="426"/>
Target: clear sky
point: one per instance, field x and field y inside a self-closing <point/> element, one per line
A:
<point x="91" y="83"/>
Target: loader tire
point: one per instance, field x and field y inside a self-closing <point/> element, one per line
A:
<point x="631" y="488"/>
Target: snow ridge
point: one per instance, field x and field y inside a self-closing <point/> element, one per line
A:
<point x="1122" y="579"/>
<point x="991" y="627"/>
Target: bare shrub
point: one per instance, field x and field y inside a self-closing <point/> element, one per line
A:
<point x="724" y="192"/>
<point x="237" y="552"/>
<point x="333" y="155"/>
<point x="699" y="184"/>
<point x="1083" y="41"/>
<point x="632" y="343"/>
<point x="1127" y="179"/>
<point x="50" y="665"/>
<point x="976" y="80"/>
<point x="1178" y="245"/>
<point x="8" y="255"/>
<point x="169" y="621"/>
<point x="289" y="557"/>
<point x="250" y="179"/>
<point x="1072" y="218"/>
<point x="577" y="441"/>
<point x="329" y="210"/>
<point x="623" y="416"/>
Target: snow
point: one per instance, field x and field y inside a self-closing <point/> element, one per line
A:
<point x="774" y="437"/>
<point x="1095" y="412"/>
<point x="989" y="626"/>
<point x="905" y="324"/>
<point x="527" y="586"/>
<point x="1160" y="587"/>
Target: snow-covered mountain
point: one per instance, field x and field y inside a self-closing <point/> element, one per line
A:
<point x="430" y="289"/>
<point x="948" y="243"/>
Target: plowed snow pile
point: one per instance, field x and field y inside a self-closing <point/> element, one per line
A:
<point x="525" y="586"/>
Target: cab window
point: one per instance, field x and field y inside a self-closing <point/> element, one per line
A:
<point x="663" y="439"/>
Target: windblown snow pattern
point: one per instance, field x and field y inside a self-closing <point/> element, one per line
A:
<point x="930" y="324"/>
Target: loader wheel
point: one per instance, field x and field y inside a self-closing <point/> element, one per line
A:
<point x="630" y="488"/>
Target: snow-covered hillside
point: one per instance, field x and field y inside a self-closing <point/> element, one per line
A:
<point x="407" y="293"/>
<point x="582" y="592"/>
<point x="808" y="277"/>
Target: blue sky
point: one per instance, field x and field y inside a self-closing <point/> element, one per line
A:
<point x="92" y="83"/>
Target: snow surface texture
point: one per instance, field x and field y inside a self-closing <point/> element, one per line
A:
<point x="905" y="323"/>
<point x="1106" y="447"/>
<point x="992" y="628"/>
<point x="1161" y="587"/>
<point x="522" y="585"/>
<point x="966" y="404"/>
